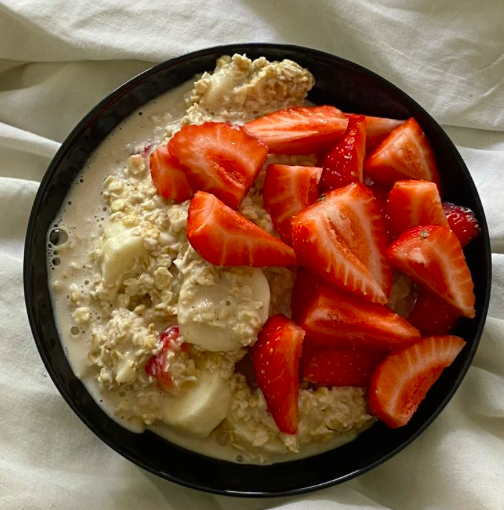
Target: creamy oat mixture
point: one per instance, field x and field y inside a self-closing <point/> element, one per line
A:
<point x="122" y="271"/>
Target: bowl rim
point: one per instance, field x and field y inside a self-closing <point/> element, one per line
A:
<point x="111" y="98"/>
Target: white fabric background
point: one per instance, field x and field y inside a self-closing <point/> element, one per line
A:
<point x="59" y="58"/>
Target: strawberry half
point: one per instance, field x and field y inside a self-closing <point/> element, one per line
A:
<point x="224" y="238"/>
<point x="219" y="158"/>
<point x="342" y="239"/>
<point x="401" y="382"/>
<point x="377" y="129"/>
<point x="342" y="368"/>
<point x="343" y="165"/>
<point x="275" y="357"/>
<point x="287" y="191"/>
<point x="412" y="203"/>
<point x="432" y="315"/>
<point x="432" y="257"/>
<point x="156" y="364"/>
<point x="463" y="222"/>
<point x="299" y="130"/>
<point x="168" y="176"/>
<point x="404" y="154"/>
<point x="337" y="320"/>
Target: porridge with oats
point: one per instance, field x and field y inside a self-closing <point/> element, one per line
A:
<point x="219" y="271"/>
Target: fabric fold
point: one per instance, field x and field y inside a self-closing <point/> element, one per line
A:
<point x="58" y="59"/>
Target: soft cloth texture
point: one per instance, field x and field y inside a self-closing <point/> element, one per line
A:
<point x="59" y="58"/>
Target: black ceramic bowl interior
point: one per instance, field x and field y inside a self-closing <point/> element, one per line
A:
<point x="340" y="83"/>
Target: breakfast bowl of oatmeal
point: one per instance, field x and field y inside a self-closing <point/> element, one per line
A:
<point x="257" y="270"/>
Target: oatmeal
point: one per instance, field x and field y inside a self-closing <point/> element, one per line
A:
<point x="155" y="330"/>
<point x="240" y="90"/>
<point x="322" y="413"/>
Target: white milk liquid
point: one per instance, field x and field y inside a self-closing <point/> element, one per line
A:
<point x="80" y="221"/>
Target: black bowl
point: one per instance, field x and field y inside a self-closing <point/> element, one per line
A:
<point x="350" y="88"/>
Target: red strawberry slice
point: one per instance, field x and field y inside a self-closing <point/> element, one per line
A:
<point x="299" y="130"/>
<point x="309" y="350"/>
<point x="401" y="382"/>
<point x="380" y="192"/>
<point x="342" y="368"/>
<point x="404" y="154"/>
<point x="219" y="158"/>
<point x="344" y="162"/>
<point x="412" y="203"/>
<point x="287" y="191"/>
<point x="337" y="320"/>
<point x="463" y="222"/>
<point x="156" y="366"/>
<point x="168" y="176"/>
<point x="224" y="238"/>
<point x="432" y="257"/>
<point x="304" y="290"/>
<point x="342" y="239"/>
<point x="377" y="129"/>
<point x="275" y="357"/>
<point x="432" y="315"/>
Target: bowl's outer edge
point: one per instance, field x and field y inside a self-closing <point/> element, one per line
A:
<point x="88" y="119"/>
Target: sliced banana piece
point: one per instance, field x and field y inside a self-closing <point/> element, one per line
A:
<point x="120" y="250"/>
<point x="202" y="407"/>
<point x="246" y="435"/>
<point x="220" y="83"/>
<point x="226" y="315"/>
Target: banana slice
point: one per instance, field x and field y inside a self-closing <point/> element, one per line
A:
<point x="120" y="250"/>
<point x="202" y="407"/>
<point x="227" y="315"/>
<point x="246" y="436"/>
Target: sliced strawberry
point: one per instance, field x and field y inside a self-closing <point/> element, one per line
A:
<point x="337" y="320"/>
<point x="342" y="368"/>
<point x="380" y="192"/>
<point x="304" y="290"/>
<point x="219" y="158"/>
<point x="275" y="357"/>
<point x="344" y="162"/>
<point x="432" y="315"/>
<point x="401" y="382"/>
<point x="342" y="239"/>
<point x="299" y="130"/>
<point x="463" y="222"/>
<point x="404" y="154"/>
<point x="377" y="129"/>
<point x="412" y="203"/>
<point x="432" y="257"/>
<point x="309" y="350"/>
<point x="224" y="238"/>
<point x="168" y="176"/>
<point x="156" y="366"/>
<point x="287" y="191"/>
